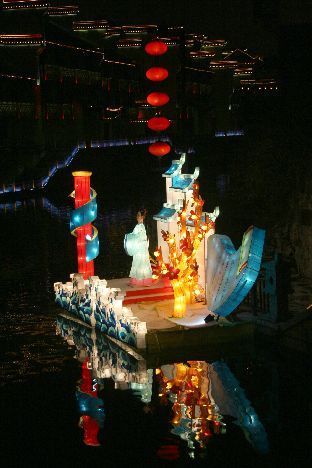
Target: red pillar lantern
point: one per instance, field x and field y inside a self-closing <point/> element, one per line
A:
<point x="82" y="196"/>
<point x="90" y="426"/>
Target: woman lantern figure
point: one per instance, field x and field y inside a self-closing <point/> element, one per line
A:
<point x="136" y="245"/>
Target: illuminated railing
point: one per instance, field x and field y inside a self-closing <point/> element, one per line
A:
<point x="243" y="71"/>
<point x="16" y="77"/>
<point x="24" y="4"/>
<point x="63" y="10"/>
<point x="38" y="184"/>
<point x="134" y="29"/>
<point x="224" y="64"/>
<point x="267" y="84"/>
<point x="85" y="25"/>
<point x="21" y="39"/>
<point x="129" y="43"/>
<point x="215" y="43"/>
<point x="91" y="51"/>
<point x="200" y="70"/>
<point x="202" y="54"/>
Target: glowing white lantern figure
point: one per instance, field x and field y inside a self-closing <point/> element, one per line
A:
<point x="136" y="245"/>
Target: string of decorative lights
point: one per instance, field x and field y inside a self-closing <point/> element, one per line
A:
<point x="17" y="77"/>
<point x="21" y="39"/>
<point x="17" y="5"/>
<point x="69" y="10"/>
<point x="92" y="51"/>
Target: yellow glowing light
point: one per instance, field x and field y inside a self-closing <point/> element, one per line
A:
<point x="156" y="254"/>
<point x="182" y="253"/>
<point x="81" y="173"/>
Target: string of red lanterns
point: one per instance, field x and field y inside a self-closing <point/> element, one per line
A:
<point x="157" y="74"/>
<point x="159" y="148"/>
<point x="156" y="48"/>
<point x="156" y="98"/>
<point x="158" y="124"/>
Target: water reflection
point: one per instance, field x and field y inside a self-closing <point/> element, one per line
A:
<point x="62" y="212"/>
<point x="91" y="407"/>
<point x="203" y="393"/>
<point x="198" y="399"/>
<point x="187" y="387"/>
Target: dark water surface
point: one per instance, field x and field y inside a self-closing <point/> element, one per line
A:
<point x="259" y="403"/>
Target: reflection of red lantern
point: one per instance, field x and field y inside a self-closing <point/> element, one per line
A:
<point x="158" y="99"/>
<point x="168" y="452"/>
<point x="157" y="74"/>
<point x="156" y="48"/>
<point x="160" y="148"/>
<point x="158" y="124"/>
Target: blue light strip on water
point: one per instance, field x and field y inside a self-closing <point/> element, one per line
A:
<point x="230" y="133"/>
<point x="41" y="183"/>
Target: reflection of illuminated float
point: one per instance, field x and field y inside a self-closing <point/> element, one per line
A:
<point x="90" y="406"/>
<point x="106" y="360"/>
<point x="210" y="281"/>
<point x="202" y="394"/>
<point x="199" y="393"/>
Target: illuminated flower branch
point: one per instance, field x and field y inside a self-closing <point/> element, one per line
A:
<point x="182" y="268"/>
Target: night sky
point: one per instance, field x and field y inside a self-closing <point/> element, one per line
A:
<point x="200" y="13"/>
<point x="246" y="23"/>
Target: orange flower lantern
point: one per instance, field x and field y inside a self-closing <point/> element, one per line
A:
<point x="156" y="48"/>
<point x="160" y="148"/>
<point x="158" y="124"/>
<point x="158" y="99"/>
<point x="157" y="74"/>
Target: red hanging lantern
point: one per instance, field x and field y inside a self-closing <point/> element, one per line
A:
<point x="157" y="74"/>
<point x="160" y="148"/>
<point x="156" y="48"/>
<point x="158" y="99"/>
<point x="158" y="124"/>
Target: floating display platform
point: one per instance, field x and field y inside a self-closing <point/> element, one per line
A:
<point x="201" y="277"/>
<point x="141" y="318"/>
